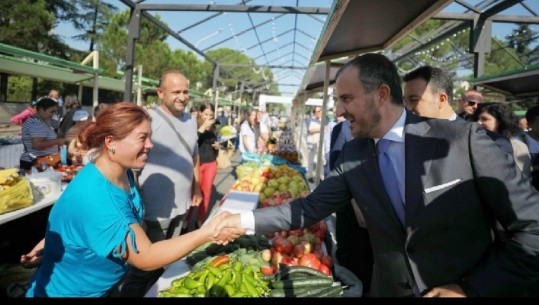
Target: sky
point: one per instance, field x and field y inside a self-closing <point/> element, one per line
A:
<point x="231" y="30"/>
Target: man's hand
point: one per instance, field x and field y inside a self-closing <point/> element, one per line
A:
<point x="446" y="291"/>
<point x="229" y="221"/>
<point x="197" y="197"/>
<point x="224" y="231"/>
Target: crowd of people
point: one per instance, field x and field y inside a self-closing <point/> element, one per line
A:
<point x="434" y="196"/>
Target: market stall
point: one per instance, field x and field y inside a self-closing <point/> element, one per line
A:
<point x="258" y="265"/>
<point x="24" y="195"/>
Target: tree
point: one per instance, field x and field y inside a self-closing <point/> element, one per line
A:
<point x="27" y="24"/>
<point x="92" y="18"/>
<point x="520" y="41"/>
<point x="151" y="50"/>
<point x="235" y="68"/>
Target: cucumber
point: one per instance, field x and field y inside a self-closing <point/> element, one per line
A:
<point x="285" y="271"/>
<point x="304" y="282"/>
<point x="329" y="292"/>
<point x="285" y="293"/>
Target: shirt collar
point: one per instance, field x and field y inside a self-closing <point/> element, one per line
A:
<point x="396" y="133"/>
<point x="453" y="116"/>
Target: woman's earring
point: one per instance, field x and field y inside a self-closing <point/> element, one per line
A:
<point x="112" y="150"/>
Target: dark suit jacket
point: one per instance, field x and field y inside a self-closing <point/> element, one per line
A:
<point x="458" y="183"/>
<point x="503" y="143"/>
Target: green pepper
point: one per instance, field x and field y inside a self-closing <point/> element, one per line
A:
<point x="210" y="281"/>
<point x="191" y="283"/>
<point x="215" y="271"/>
<point x="230" y="291"/>
<point x="177" y="282"/>
<point x="237" y="266"/>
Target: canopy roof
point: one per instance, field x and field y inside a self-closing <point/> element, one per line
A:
<point x="356" y="27"/>
<point x="361" y="26"/>
<point x="521" y="82"/>
<point x="33" y="64"/>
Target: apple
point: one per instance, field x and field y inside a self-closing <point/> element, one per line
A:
<point x="294" y="239"/>
<point x="299" y="250"/>
<point x="266" y="255"/>
<point x="276" y="259"/>
<point x="269" y="191"/>
<point x="308" y="246"/>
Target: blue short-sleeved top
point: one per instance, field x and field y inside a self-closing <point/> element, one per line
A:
<point x="86" y="226"/>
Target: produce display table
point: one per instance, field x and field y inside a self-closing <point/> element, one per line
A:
<point x="233" y="202"/>
<point x="41" y="203"/>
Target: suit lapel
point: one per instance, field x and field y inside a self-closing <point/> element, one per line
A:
<point x="419" y="150"/>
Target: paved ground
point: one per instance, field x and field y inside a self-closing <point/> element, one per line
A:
<point x="19" y="236"/>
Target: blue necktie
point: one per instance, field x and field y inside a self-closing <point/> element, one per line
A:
<point x="390" y="178"/>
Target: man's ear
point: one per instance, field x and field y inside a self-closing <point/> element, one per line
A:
<point x="384" y="93"/>
<point x="443" y="99"/>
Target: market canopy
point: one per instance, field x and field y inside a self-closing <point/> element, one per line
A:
<point x="17" y="61"/>
<point x="356" y="27"/>
<point x="361" y="26"/>
<point x="521" y="82"/>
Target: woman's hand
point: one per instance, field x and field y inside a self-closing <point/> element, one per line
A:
<point x="33" y="258"/>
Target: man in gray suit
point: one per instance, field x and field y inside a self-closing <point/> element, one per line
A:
<point x="453" y="185"/>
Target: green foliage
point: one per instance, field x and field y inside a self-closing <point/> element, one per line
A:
<point x="92" y="18"/>
<point x="25" y="23"/>
<point x="19" y="89"/>
<point x="151" y="51"/>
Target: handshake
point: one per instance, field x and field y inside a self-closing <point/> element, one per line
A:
<point x="225" y="227"/>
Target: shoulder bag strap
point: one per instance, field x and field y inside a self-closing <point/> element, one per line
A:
<point x="160" y="112"/>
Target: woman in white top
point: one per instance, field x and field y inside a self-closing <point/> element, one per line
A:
<point x="248" y="132"/>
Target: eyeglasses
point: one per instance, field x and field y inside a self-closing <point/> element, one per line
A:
<point x="471" y="103"/>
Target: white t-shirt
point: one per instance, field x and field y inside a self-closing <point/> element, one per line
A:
<point x="167" y="178"/>
<point x="246" y="130"/>
<point x="313" y="138"/>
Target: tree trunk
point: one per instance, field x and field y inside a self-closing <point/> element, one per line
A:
<point x="34" y="89"/>
<point x="3" y="87"/>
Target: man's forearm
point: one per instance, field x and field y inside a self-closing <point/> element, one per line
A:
<point x="196" y="171"/>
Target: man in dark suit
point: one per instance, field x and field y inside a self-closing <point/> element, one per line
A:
<point x="452" y="182"/>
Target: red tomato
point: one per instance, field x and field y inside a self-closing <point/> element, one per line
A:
<point x="310" y="260"/>
<point x="267" y="270"/>
<point x="324" y="269"/>
<point x="283" y="245"/>
<point x="327" y="260"/>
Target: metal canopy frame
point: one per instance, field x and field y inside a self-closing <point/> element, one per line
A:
<point x="140" y="9"/>
<point x="478" y="18"/>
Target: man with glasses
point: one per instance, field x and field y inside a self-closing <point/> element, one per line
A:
<point x="468" y="104"/>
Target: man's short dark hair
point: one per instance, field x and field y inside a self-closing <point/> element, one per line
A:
<point x="375" y="70"/>
<point x="438" y="79"/>
<point x="532" y="114"/>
